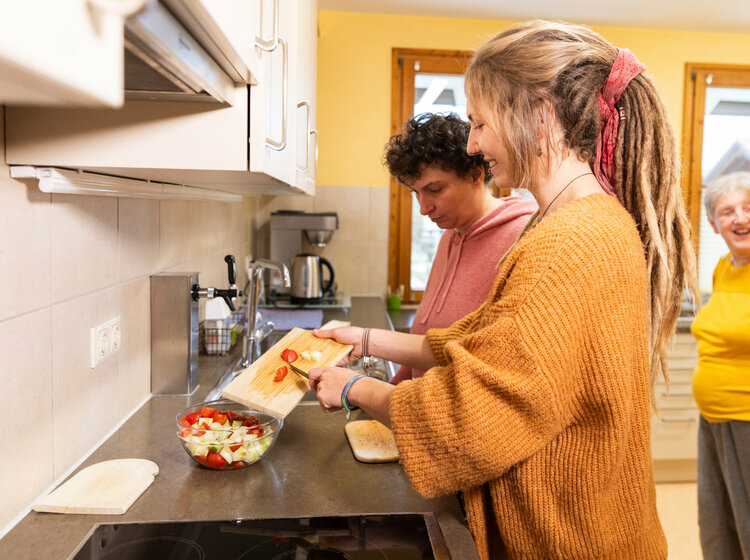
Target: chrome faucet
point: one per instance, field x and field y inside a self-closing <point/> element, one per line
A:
<point x="253" y="334"/>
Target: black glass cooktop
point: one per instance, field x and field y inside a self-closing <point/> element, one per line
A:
<point x="373" y="537"/>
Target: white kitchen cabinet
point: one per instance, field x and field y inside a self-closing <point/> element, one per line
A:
<point x="63" y="52"/>
<point x="283" y="138"/>
<point x="247" y="147"/>
<point x="240" y="21"/>
<point x="272" y="112"/>
<point x="306" y="133"/>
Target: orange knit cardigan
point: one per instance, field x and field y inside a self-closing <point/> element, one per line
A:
<point x="539" y="407"/>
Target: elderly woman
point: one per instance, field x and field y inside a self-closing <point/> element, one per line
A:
<point x="721" y="381"/>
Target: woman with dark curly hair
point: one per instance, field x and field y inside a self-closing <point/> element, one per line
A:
<point x="450" y="186"/>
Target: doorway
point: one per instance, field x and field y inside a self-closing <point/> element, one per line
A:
<point x="716" y="142"/>
<point x="424" y="81"/>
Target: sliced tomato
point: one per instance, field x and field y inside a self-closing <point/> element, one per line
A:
<point x="289" y="355"/>
<point x="216" y="460"/>
<point x="207" y="412"/>
<point x="232" y="415"/>
<point x="202" y="427"/>
<point x="281" y="373"/>
<point x="192" y="418"/>
<point x="184" y="432"/>
<point x="220" y="418"/>
<point x="235" y="447"/>
<point x="250" y="421"/>
<point x="202" y="458"/>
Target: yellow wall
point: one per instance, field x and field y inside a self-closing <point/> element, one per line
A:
<point x="354" y="76"/>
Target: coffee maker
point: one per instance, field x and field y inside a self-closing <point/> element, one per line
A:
<point x="287" y="230"/>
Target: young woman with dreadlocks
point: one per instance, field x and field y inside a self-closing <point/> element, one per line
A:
<point x="537" y="406"/>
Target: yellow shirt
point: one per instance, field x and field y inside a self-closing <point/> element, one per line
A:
<point x="721" y="380"/>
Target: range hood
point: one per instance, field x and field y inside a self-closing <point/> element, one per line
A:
<point x="175" y="51"/>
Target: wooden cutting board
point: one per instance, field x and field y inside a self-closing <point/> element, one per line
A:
<point x="256" y="388"/>
<point x="371" y="441"/>
<point x="109" y="487"/>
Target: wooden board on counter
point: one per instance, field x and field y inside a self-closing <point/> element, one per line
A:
<point x="256" y="388"/>
<point x="371" y="441"/>
<point x="109" y="487"/>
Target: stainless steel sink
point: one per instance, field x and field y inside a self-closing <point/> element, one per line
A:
<point x="381" y="369"/>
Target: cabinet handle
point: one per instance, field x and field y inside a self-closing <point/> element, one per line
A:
<point x="303" y="169"/>
<point x="269" y="45"/>
<point x="281" y="144"/>
<point x="688" y="420"/>
<point x="122" y="8"/>
<point x="314" y="133"/>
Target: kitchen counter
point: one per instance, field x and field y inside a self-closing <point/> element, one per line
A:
<point x="310" y="471"/>
<point x="402" y="318"/>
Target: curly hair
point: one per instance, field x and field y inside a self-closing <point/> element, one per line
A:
<point x="430" y="139"/>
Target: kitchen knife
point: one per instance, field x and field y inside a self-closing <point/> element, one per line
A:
<point x="295" y="369"/>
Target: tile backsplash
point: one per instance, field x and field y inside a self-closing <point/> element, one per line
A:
<point x="71" y="262"/>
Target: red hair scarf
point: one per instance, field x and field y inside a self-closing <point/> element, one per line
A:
<point x="625" y="68"/>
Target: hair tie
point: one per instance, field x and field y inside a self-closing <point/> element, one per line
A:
<point x="625" y="68"/>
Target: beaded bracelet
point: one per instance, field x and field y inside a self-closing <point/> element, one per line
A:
<point x="345" y="394"/>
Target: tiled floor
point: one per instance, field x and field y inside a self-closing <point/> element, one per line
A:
<point x="678" y="511"/>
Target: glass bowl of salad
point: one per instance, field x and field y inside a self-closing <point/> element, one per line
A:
<point x="224" y="435"/>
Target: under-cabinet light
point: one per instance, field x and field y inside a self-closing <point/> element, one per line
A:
<point x="66" y="181"/>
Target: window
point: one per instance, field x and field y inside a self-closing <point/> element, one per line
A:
<point x="716" y="142"/>
<point x="423" y="81"/>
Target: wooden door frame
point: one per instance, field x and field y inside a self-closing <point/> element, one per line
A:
<point x="696" y="74"/>
<point x="403" y="62"/>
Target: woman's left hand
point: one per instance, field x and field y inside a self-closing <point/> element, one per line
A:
<point x="328" y="383"/>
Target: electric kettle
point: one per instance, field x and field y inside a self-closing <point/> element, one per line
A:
<point x="307" y="278"/>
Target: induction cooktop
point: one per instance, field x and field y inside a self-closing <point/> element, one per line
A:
<point x="368" y="537"/>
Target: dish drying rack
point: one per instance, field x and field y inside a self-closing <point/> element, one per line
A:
<point x="217" y="337"/>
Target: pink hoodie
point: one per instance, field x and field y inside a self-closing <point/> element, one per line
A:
<point x="465" y="267"/>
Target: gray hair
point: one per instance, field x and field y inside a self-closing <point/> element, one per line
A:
<point x="738" y="181"/>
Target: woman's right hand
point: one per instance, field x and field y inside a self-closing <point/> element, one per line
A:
<point x="345" y="335"/>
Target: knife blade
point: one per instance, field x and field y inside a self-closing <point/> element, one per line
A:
<point x="295" y="369"/>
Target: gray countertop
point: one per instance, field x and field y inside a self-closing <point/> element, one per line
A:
<point x="310" y="471"/>
<point x="402" y="318"/>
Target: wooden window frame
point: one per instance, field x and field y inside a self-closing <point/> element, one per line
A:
<point x="696" y="74"/>
<point x="431" y="61"/>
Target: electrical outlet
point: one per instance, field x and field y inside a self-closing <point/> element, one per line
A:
<point x="105" y="340"/>
<point x="115" y="339"/>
